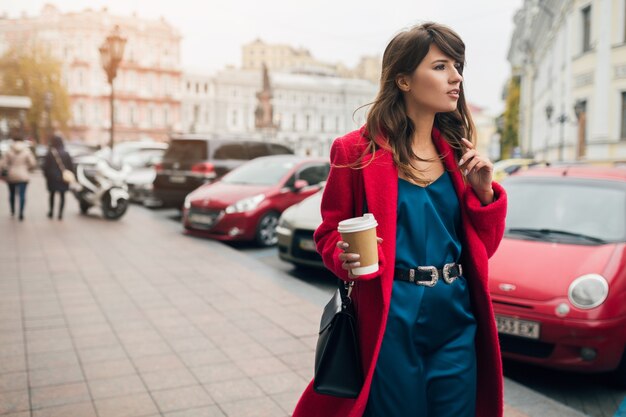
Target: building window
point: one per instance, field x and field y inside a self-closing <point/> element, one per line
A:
<point x="234" y="118"/>
<point x="337" y="124"/>
<point x="166" y="115"/>
<point x="308" y="123"/>
<point x="623" y="115"/>
<point x="294" y="122"/>
<point x="133" y="114"/>
<point x="322" y="123"/>
<point x="586" y="14"/>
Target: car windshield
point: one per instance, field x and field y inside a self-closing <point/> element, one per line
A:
<point x="186" y="150"/>
<point x="260" y="172"/>
<point x="572" y="211"/>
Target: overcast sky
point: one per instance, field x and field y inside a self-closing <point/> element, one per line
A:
<point x="333" y="30"/>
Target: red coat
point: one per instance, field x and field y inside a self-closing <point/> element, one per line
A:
<point x="483" y="229"/>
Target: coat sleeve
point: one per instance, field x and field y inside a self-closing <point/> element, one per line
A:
<point x="487" y="220"/>
<point x="337" y="204"/>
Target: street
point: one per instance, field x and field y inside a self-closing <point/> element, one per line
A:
<point x="132" y="318"/>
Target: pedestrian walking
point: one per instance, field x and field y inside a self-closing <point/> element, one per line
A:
<point x="57" y="160"/>
<point x="427" y="332"/>
<point x="18" y="162"/>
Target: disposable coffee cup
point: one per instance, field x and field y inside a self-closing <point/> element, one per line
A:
<point x="360" y="234"/>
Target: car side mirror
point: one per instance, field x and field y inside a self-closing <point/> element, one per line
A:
<point x="300" y="184"/>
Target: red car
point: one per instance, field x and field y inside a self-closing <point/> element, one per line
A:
<point x="247" y="202"/>
<point x="558" y="279"/>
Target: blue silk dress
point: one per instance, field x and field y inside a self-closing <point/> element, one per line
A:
<point x="427" y="361"/>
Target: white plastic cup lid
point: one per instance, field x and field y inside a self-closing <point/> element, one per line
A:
<point x="357" y="224"/>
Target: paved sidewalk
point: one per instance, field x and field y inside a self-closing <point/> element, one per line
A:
<point x="131" y="318"/>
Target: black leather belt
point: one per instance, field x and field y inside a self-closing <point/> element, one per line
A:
<point x="429" y="275"/>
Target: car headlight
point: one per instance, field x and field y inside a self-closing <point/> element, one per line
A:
<point x="246" y="204"/>
<point x="588" y="291"/>
<point x="283" y="222"/>
<point x="187" y="204"/>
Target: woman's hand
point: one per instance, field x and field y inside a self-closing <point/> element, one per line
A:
<point x="479" y="172"/>
<point x="350" y="260"/>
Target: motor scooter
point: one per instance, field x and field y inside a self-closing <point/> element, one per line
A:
<point x="102" y="186"/>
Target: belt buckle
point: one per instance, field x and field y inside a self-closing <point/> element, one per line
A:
<point x="434" y="276"/>
<point x="446" y="273"/>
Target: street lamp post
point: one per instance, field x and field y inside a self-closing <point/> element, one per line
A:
<point x="111" y="53"/>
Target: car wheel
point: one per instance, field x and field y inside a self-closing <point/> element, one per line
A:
<point x="266" y="230"/>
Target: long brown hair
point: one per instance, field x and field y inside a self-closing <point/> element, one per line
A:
<point x="388" y="124"/>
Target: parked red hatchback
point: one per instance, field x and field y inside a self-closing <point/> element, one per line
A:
<point x="247" y="202"/>
<point x="558" y="279"/>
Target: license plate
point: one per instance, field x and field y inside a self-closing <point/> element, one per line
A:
<point x="204" y="219"/>
<point x="517" y="327"/>
<point x="307" y="244"/>
<point x="178" y="179"/>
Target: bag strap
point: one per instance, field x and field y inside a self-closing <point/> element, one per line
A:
<point x="345" y="288"/>
<point x="58" y="159"/>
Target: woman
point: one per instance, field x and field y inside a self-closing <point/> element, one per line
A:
<point x="18" y="162"/>
<point x="56" y="161"/>
<point x="429" y="346"/>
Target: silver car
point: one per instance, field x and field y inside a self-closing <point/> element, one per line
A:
<point x="295" y="232"/>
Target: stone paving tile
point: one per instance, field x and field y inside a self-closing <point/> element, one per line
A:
<point x="37" y="323"/>
<point x="13" y="381"/>
<point x="511" y="412"/>
<point x="249" y="350"/>
<point x="55" y="376"/>
<point x="11" y="349"/>
<point x="203" y="357"/>
<point x="280" y="382"/>
<point x="136" y="405"/>
<point x="116" y="387"/>
<point x="209" y="374"/>
<point x="15" y="363"/>
<point x="11" y="337"/>
<point x="147" y="349"/>
<point x="158" y="363"/>
<point x="51" y="345"/>
<point x="181" y="398"/>
<point x="171" y="378"/>
<point x="175" y="332"/>
<point x="261" y="366"/>
<point x="70" y="410"/>
<point x="298" y="360"/>
<point x="59" y="395"/>
<point x="52" y="360"/>
<point x="288" y="399"/>
<point x="12" y="401"/>
<point x="100" y="354"/>
<point x="108" y="369"/>
<point x="96" y="340"/>
<point x="280" y="347"/>
<point x="233" y="390"/>
<point x="134" y="337"/>
<point x="253" y="407"/>
<point x="210" y="411"/>
<point x="20" y="414"/>
<point x="191" y="344"/>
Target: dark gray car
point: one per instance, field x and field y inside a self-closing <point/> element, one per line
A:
<point x="192" y="161"/>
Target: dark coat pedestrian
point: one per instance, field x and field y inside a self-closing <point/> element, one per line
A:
<point x="56" y="161"/>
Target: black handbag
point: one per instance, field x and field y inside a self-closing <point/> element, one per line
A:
<point x="338" y="368"/>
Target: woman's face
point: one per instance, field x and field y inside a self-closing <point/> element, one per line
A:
<point x="435" y="84"/>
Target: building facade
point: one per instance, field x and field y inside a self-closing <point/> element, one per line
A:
<point x="147" y="87"/>
<point x="309" y="110"/>
<point x="282" y="57"/>
<point x="571" y="59"/>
